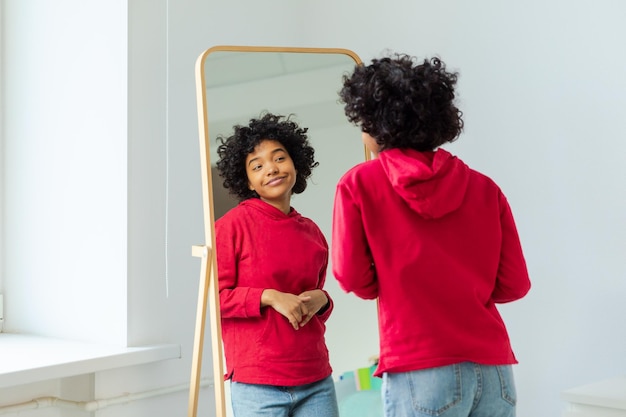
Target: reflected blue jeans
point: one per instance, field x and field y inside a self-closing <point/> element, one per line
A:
<point x="312" y="400"/>
<point x="460" y="390"/>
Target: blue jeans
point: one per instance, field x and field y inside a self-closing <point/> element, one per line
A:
<point x="460" y="390"/>
<point x="312" y="400"/>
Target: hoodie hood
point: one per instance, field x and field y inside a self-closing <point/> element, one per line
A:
<point x="432" y="183"/>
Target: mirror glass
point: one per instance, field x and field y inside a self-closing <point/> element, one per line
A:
<point x="240" y="84"/>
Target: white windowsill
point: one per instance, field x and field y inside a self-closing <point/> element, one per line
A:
<point x="26" y="358"/>
<point x="607" y="394"/>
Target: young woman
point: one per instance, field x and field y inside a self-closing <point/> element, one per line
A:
<point x="433" y="240"/>
<point x="272" y="266"/>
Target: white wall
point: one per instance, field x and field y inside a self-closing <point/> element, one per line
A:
<point x="543" y="93"/>
<point x="2" y="152"/>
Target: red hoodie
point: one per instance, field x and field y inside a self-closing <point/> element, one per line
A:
<point x="259" y="247"/>
<point x="436" y="242"/>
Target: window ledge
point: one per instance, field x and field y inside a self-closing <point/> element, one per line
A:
<point x="37" y="358"/>
<point x="607" y="394"/>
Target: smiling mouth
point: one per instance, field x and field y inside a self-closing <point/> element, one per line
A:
<point x="275" y="181"/>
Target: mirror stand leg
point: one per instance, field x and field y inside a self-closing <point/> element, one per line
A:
<point x="208" y="292"/>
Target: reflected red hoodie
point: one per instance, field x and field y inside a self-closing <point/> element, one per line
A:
<point x="258" y="247"/>
<point x="436" y="242"/>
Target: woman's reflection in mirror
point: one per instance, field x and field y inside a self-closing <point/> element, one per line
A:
<point x="272" y="265"/>
<point x="433" y="240"/>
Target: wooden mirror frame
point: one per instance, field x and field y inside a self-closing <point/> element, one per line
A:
<point x="208" y="293"/>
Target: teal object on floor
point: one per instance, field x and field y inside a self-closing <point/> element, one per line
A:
<point x="358" y="394"/>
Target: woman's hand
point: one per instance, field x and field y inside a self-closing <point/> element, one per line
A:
<point x="317" y="300"/>
<point x="294" y="307"/>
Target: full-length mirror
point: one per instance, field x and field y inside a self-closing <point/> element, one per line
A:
<point x="236" y="84"/>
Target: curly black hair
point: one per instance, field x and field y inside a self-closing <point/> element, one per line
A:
<point x="402" y="104"/>
<point x="233" y="151"/>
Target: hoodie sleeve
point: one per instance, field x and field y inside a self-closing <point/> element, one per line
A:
<point x="235" y="301"/>
<point x="353" y="266"/>
<point x="512" y="282"/>
<point x="325" y="312"/>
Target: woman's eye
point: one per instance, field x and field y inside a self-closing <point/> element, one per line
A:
<point x="280" y="158"/>
<point x="256" y="167"/>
